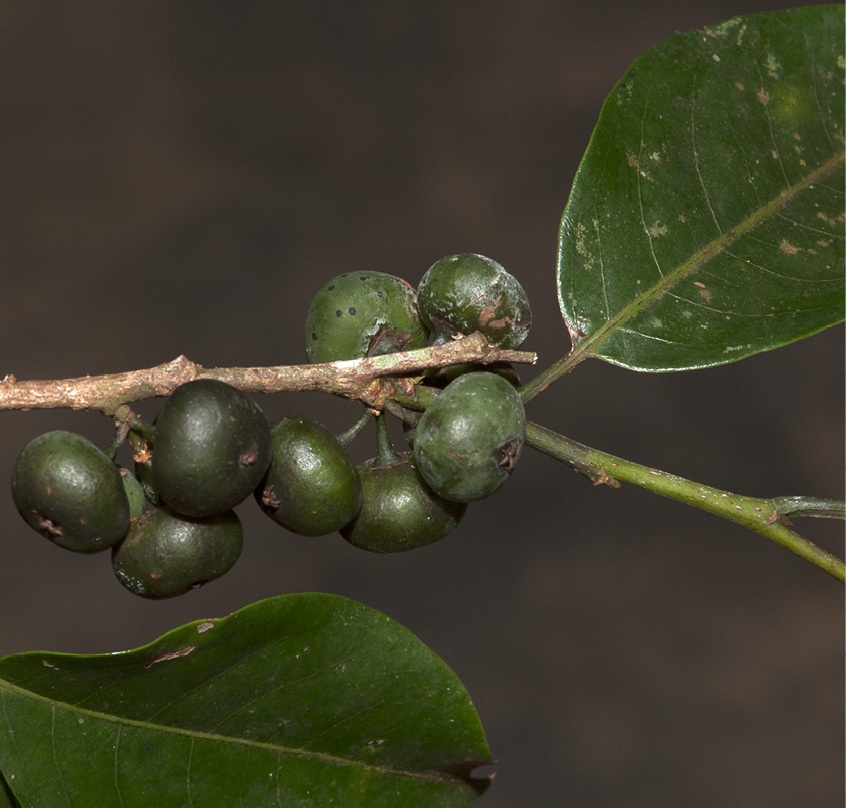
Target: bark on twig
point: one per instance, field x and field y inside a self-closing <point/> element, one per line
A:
<point x="355" y="378"/>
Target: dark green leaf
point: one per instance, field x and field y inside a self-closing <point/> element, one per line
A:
<point x="706" y="219"/>
<point x="301" y="700"/>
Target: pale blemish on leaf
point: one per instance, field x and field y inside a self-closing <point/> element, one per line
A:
<point x="168" y="655"/>
<point x="787" y="248"/>
<point x="724" y="27"/>
<point x="704" y="293"/>
<point x="763" y="96"/>
<point x="826" y="219"/>
<point x="715" y="57"/>
<point x="772" y="66"/>
<point x="739" y="86"/>
<point x="581" y="244"/>
<point x="657" y="230"/>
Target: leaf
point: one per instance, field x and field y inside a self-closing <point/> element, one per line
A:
<point x="300" y="700"/>
<point x="7" y="799"/>
<point x="706" y="219"/>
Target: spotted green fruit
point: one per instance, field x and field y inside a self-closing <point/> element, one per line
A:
<point x="400" y="512"/>
<point x="212" y="448"/>
<point x="312" y="487"/>
<point x="361" y="314"/>
<point x="464" y="293"/>
<point x="70" y="492"/>
<point x="469" y="440"/>
<point x="164" y="554"/>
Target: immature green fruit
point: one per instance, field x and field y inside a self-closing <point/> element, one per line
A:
<point x="312" y="487"/>
<point x="212" y="448"/>
<point x="464" y="293"/>
<point x="400" y="512"/>
<point x="165" y="554"/>
<point x="361" y="314"/>
<point x="70" y="492"/>
<point x="469" y="440"/>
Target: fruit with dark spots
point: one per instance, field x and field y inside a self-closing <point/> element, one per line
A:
<point x="212" y="447"/>
<point x="312" y="487"/>
<point x="400" y="512"/>
<point x="467" y="292"/>
<point x="468" y="441"/>
<point x="70" y="492"/>
<point x="360" y="314"/>
<point x="164" y="554"/>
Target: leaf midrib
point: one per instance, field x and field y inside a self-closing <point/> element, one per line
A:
<point x="428" y="775"/>
<point x="589" y="344"/>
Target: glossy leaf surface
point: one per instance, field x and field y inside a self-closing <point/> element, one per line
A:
<point x="706" y="219"/>
<point x="300" y="700"/>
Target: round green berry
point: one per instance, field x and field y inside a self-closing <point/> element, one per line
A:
<point x="464" y="293"/>
<point x="400" y="512"/>
<point x="164" y="554"/>
<point x="468" y="441"/>
<point x="70" y="492"/>
<point x="212" y="447"/>
<point x="360" y="314"/>
<point x="312" y="487"/>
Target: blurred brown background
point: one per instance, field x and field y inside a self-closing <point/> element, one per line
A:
<point x="181" y="177"/>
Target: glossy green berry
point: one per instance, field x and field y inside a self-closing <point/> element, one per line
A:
<point x="70" y="492"/>
<point x="165" y="554"/>
<point x="360" y="314"/>
<point x="312" y="487"/>
<point x="464" y="293"/>
<point x="134" y="493"/>
<point x="212" y="448"/>
<point x="400" y="512"/>
<point x="469" y="440"/>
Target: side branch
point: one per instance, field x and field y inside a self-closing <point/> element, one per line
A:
<point x="354" y="378"/>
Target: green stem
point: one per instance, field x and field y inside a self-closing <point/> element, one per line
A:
<point x="760" y="515"/>
<point x="385" y="453"/>
<point x="346" y="438"/>
<point x="552" y="374"/>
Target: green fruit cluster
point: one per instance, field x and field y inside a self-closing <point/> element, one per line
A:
<point x="171" y="526"/>
<point x="466" y="445"/>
